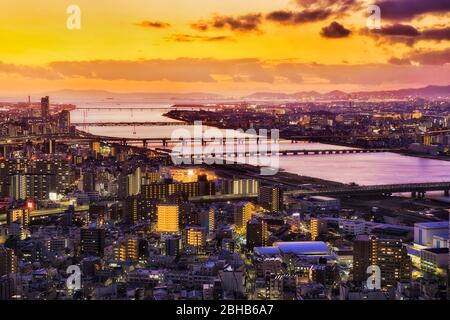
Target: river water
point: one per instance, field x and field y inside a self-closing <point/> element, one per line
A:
<point x="363" y="169"/>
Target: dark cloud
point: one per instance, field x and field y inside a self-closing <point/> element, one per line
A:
<point x="409" y="9"/>
<point x="408" y="34"/>
<point x="298" y="17"/>
<point x="335" y="30"/>
<point x="398" y="30"/>
<point x="438" y="34"/>
<point x="246" y="23"/>
<point x="183" y="37"/>
<point x="154" y="24"/>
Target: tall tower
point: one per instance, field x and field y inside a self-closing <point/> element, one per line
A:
<point x="45" y="107"/>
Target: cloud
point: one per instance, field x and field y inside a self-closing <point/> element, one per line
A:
<point x="29" y="71"/>
<point x="409" y="9"/>
<point x="183" y="37"/>
<point x="245" y="23"/>
<point x="260" y="71"/>
<point x="335" y="30"/>
<point x="409" y="34"/>
<point x="418" y="67"/>
<point x="182" y="69"/>
<point x="299" y="17"/>
<point x="154" y="24"/>
<point x="431" y="57"/>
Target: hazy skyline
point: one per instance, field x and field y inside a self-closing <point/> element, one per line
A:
<point x="229" y="47"/>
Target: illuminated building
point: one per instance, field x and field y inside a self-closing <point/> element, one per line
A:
<point x="190" y="175"/>
<point x="21" y="216"/>
<point x="45" y="107"/>
<point x="243" y="212"/>
<point x="207" y="219"/>
<point x="271" y="198"/>
<point x="138" y="208"/>
<point x="257" y="233"/>
<point x="95" y="146"/>
<point x="190" y="189"/>
<point x="389" y="254"/>
<point x="92" y="241"/>
<point x="8" y="261"/>
<point x="167" y="218"/>
<point x="195" y="237"/>
<point x="242" y="186"/>
<point x="317" y="227"/>
<point x="120" y="253"/>
<point x="127" y="251"/>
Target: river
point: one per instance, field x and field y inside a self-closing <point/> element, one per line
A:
<point x="363" y="169"/>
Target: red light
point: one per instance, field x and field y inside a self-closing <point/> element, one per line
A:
<point x="29" y="205"/>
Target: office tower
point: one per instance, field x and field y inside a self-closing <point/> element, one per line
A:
<point x="8" y="261"/>
<point x="195" y="237"/>
<point x="207" y="219"/>
<point x="317" y="227"/>
<point x="243" y="212"/>
<point x="64" y="121"/>
<point x="155" y="191"/>
<point x="36" y="186"/>
<point x="388" y="254"/>
<point x="172" y="246"/>
<point x="241" y="186"/>
<point x="271" y="198"/>
<point x="92" y="241"/>
<point x="45" y="107"/>
<point x="168" y="218"/>
<point x="257" y="233"/>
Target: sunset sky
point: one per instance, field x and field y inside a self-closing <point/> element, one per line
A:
<point x="231" y="47"/>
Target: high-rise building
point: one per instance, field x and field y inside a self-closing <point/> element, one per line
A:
<point x="317" y="227"/>
<point x="195" y="237"/>
<point x="388" y="254"/>
<point x="257" y="233"/>
<point x="207" y="219"/>
<point x="92" y="241"/>
<point x="168" y="218"/>
<point x="64" y="121"/>
<point x="8" y="261"/>
<point x="45" y="107"/>
<point x="172" y="246"/>
<point x="243" y="212"/>
<point x="271" y="198"/>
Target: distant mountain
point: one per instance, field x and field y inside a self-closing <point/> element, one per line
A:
<point x="427" y="92"/>
<point x="75" y="96"/>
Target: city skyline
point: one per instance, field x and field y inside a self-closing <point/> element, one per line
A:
<point x="229" y="48"/>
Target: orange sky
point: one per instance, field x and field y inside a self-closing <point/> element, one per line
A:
<point x="159" y="45"/>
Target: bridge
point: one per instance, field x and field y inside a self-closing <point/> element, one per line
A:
<point x="416" y="189"/>
<point x="129" y="124"/>
<point x="280" y="153"/>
